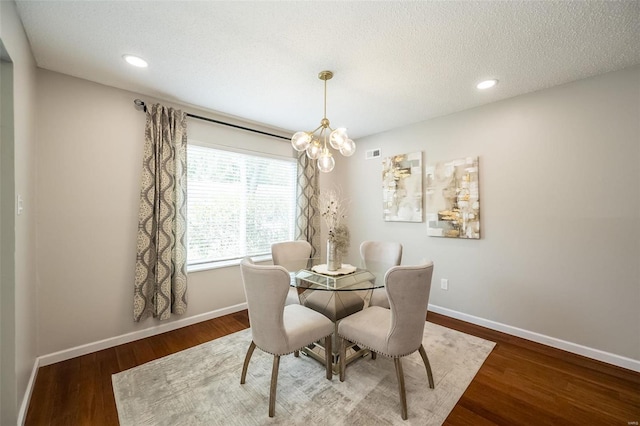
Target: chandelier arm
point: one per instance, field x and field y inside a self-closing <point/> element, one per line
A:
<point x="316" y="129"/>
<point x="324" y="140"/>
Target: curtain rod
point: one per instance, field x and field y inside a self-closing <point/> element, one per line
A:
<point x="139" y="103"/>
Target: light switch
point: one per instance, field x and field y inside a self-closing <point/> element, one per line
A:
<point x="444" y="284"/>
<point x="19" y="205"/>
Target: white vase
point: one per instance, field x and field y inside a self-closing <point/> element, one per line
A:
<point x="334" y="260"/>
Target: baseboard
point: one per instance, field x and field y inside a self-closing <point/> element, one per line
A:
<point x="135" y="335"/>
<point x="111" y="342"/>
<point x="22" y="414"/>
<point x="609" y="358"/>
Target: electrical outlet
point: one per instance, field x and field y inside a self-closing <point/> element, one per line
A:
<point x="444" y="284"/>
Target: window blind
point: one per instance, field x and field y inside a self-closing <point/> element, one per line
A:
<point x="238" y="204"/>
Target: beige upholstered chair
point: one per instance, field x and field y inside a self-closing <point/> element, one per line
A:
<point x="394" y="332"/>
<point x="379" y="256"/>
<point x="275" y="328"/>
<point x="293" y="256"/>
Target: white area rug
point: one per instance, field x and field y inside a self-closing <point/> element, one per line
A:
<point x="201" y="386"/>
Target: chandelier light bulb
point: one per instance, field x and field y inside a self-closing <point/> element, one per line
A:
<point x="348" y="149"/>
<point x="338" y="137"/>
<point x="326" y="163"/>
<point x="314" y="149"/>
<point x="301" y="141"/>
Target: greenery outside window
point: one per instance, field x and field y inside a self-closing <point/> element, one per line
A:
<point x="238" y="204"/>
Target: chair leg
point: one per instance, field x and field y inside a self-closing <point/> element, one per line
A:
<point x="274" y="385"/>
<point x="403" y="395"/>
<point x="343" y="356"/>
<point x="247" y="358"/>
<point x="328" y="356"/>
<point x="423" y="354"/>
<point x="374" y="355"/>
<point x="296" y="353"/>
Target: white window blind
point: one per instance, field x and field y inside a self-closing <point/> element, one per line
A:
<point x="238" y="204"/>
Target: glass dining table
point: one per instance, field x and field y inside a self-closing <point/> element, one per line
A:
<point x="335" y="294"/>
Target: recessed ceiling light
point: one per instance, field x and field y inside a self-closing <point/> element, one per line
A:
<point x="136" y="61"/>
<point x="486" y="84"/>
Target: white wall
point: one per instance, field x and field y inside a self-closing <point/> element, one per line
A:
<point x="19" y="351"/>
<point x="560" y="210"/>
<point x="90" y="140"/>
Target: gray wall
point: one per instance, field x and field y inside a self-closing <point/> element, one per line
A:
<point x="560" y="207"/>
<point x="90" y="140"/>
<point x="560" y="220"/>
<point x="19" y="308"/>
<point x="7" y="242"/>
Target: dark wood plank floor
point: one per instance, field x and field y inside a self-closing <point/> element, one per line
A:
<point x="520" y="383"/>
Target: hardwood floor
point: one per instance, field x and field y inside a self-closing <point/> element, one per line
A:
<point x="520" y="383"/>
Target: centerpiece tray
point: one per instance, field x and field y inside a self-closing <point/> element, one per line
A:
<point x="343" y="270"/>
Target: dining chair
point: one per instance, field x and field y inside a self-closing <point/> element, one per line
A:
<point x="394" y="332"/>
<point x="293" y="256"/>
<point x="379" y="256"/>
<point x="275" y="328"/>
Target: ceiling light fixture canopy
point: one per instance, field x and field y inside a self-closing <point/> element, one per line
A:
<point x="316" y="144"/>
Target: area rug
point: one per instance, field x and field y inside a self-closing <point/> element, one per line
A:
<point x="201" y="386"/>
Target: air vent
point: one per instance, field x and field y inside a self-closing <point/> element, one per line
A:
<point x="372" y="153"/>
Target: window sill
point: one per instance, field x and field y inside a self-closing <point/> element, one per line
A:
<point x="224" y="264"/>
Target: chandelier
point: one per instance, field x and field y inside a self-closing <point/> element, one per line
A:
<point x="315" y="144"/>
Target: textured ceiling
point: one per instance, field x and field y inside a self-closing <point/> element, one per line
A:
<point x="394" y="63"/>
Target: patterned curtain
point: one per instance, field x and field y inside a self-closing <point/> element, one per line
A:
<point x="308" y="219"/>
<point x="161" y="277"/>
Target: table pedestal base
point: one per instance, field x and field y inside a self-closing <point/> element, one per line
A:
<point x="335" y="297"/>
<point x="335" y="306"/>
<point x="353" y="352"/>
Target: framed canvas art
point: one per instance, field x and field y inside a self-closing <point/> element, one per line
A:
<point x="402" y="188"/>
<point x="453" y="199"/>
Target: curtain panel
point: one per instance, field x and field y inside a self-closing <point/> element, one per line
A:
<point x="308" y="219"/>
<point x="161" y="277"/>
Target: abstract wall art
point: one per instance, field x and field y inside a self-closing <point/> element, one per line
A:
<point x="402" y="188"/>
<point x="453" y="199"/>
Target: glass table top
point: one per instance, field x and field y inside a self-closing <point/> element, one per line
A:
<point x="361" y="279"/>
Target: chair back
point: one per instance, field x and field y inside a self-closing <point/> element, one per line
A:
<point x="379" y="256"/>
<point x="266" y="288"/>
<point x="292" y="255"/>
<point x="408" y="289"/>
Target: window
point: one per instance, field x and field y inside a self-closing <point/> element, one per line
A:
<point x="238" y="204"/>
